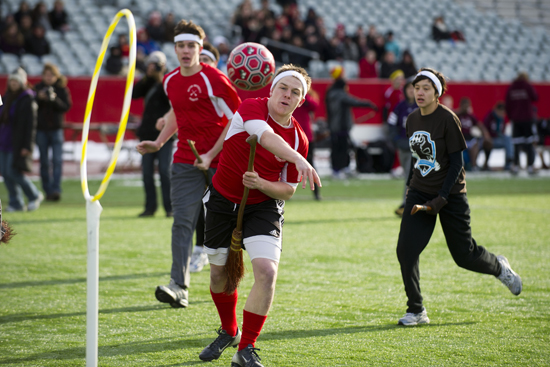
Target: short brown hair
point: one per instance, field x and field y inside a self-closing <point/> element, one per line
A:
<point x="189" y="27"/>
<point x="439" y="76"/>
<point x="300" y="70"/>
<point x="209" y="47"/>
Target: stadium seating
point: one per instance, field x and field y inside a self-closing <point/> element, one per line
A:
<point x="497" y="46"/>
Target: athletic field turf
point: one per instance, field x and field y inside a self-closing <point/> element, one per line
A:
<point x="339" y="293"/>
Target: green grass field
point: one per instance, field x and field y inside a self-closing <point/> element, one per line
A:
<point x="339" y="293"/>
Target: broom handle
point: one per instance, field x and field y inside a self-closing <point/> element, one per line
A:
<point x="252" y="140"/>
<point x="194" y="150"/>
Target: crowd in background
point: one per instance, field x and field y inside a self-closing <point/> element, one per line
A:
<point x="24" y="31"/>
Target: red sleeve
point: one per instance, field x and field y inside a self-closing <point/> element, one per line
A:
<point x="252" y="109"/>
<point x="222" y="88"/>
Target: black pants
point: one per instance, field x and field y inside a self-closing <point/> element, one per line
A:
<point x="339" y="151"/>
<point x="416" y="231"/>
<point x="524" y="134"/>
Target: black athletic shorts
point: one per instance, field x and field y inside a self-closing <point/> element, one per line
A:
<point x="263" y="219"/>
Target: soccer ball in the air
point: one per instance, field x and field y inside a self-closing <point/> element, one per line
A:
<point x="250" y="66"/>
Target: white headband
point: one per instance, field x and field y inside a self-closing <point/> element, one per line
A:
<point x="433" y="78"/>
<point x="209" y="54"/>
<point x="294" y="74"/>
<point x="188" y="37"/>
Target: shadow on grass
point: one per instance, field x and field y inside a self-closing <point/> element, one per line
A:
<point x="29" y="317"/>
<point x="78" y="280"/>
<point x="341" y="220"/>
<point x="80" y="219"/>
<point x="163" y="344"/>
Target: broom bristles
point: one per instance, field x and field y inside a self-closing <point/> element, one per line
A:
<point x="234" y="266"/>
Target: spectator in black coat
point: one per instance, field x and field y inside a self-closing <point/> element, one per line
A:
<point x="59" y="19"/>
<point x="38" y="44"/>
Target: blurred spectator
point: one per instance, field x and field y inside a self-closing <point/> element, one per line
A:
<point x="368" y="66"/>
<point x="251" y="31"/>
<point x="392" y="45"/>
<point x="394" y="94"/>
<point x="114" y="64"/>
<point x="156" y="104"/>
<point x="339" y="102"/>
<point x="40" y="16"/>
<point x="520" y="99"/>
<point x="242" y="15"/>
<point x="304" y="115"/>
<point x="440" y="31"/>
<point x="388" y="65"/>
<point x="496" y="138"/>
<point x="448" y="101"/>
<point x="311" y="17"/>
<point x="58" y="17"/>
<point x="266" y="11"/>
<point x="25" y="27"/>
<point x="24" y="9"/>
<point x="276" y="51"/>
<point x="371" y="36"/>
<point x="124" y="45"/>
<point x="144" y="43"/>
<point x="543" y="130"/>
<point x="351" y="51"/>
<point x="407" y="65"/>
<point x="222" y="44"/>
<point x="155" y="27"/>
<point x="298" y="59"/>
<point x="397" y="121"/>
<point x="17" y="132"/>
<point x="37" y="44"/>
<point x="169" y="25"/>
<point x="362" y="46"/>
<point x="324" y="44"/>
<point x="472" y="130"/>
<point x="54" y="100"/>
<point x="12" y="40"/>
<point x="379" y="47"/>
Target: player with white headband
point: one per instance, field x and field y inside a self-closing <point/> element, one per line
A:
<point x="279" y="166"/>
<point x="437" y="185"/>
<point x="203" y="101"/>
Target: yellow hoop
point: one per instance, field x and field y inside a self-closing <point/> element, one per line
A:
<point x="125" y="107"/>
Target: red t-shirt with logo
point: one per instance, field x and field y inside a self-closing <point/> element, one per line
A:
<point x="228" y="179"/>
<point x="202" y="103"/>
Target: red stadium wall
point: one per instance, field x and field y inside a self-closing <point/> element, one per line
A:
<point x="110" y="94"/>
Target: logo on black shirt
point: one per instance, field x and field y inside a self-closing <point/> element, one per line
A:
<point x="423" y="149"/>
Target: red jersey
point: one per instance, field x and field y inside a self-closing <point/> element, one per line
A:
<point x="228" y="179"/>
<point x="393" y="97"/>
<point x="203" y="103"/>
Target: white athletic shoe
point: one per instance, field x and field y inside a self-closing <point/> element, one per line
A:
<point x="35" y="204"/>
<point x="508" y="277"/>
<point x="198" y="260"/>
<point x="411" y="319"/>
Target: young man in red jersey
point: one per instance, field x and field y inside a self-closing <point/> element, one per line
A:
<point x="203" y="101"/>
<point x="280" y="164"/>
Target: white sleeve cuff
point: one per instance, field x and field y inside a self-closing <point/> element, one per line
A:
<point x="257" y="127"/>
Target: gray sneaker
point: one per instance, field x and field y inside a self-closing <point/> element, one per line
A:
<point x="215" y="349"/>
<point x="173" y="294"/>
<point x="35" y="204"/>
<point x="247" y="358"/>
<point x="198" y="260"/>
<point x="411" y="319"/>
<point x="508" y="277"/>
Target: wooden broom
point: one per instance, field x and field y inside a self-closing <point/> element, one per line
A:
<point x="234" y="266"/>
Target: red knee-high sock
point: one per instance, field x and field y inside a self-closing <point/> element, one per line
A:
<point x="227" y="309"/>
<point x="252" y="326"/>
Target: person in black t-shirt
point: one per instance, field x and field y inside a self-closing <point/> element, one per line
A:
<point x="437" y="180"/>
<point x="156" y="104"/>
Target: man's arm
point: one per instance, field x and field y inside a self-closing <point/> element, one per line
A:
<point x="214" y="151"/>
<point x="276" y="190"/>
<point x="169" y="129"/>
<point x="278" y="146"/>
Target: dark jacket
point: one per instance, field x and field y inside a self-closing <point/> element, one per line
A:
<point x="339" y="103"/>
<point x="22" y="118"/>
<point x="519" y="102"/>
<point x="51" y="112"/>
<point x="156" y="104"/>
